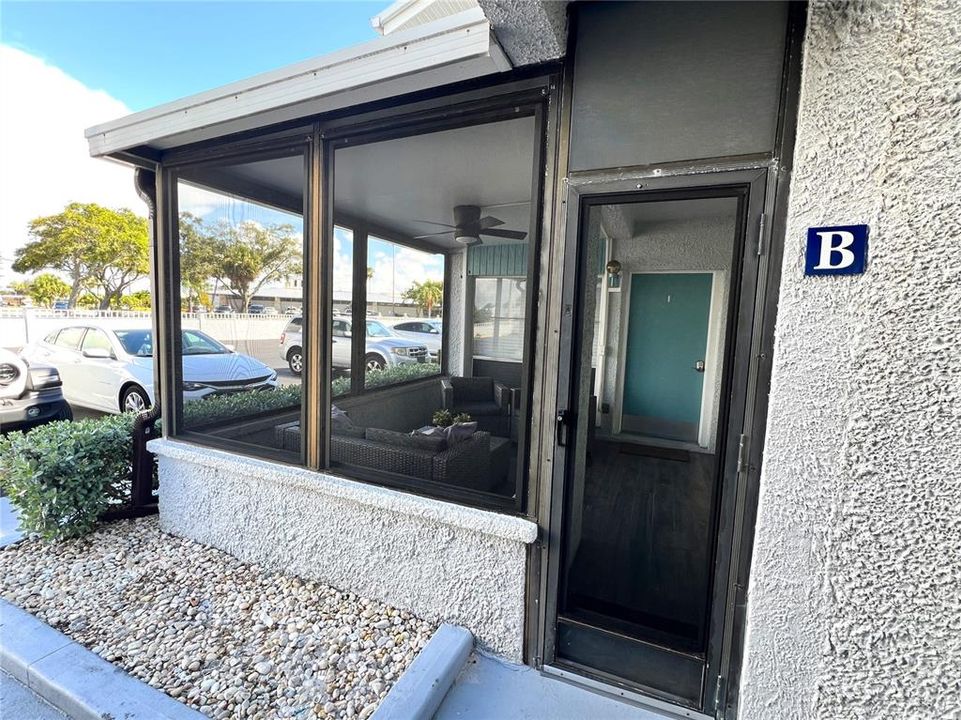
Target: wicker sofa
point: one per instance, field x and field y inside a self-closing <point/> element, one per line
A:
<point x="466" y="464"/>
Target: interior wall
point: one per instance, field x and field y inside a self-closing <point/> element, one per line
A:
<point x="693" y="245"/>
<point x="854" y="597"/>
<point x="455" y="315"/>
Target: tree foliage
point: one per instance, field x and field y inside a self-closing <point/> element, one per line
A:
<point x="44" y="289"/>
<point x="102" y="251"/>
<point x="426" y="294"/>
<point x="242" y="257"/>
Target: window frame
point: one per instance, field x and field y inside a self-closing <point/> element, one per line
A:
<point x="396" y="125"/>
<point x="170" y="338"/>
<point x="465" y="104"/>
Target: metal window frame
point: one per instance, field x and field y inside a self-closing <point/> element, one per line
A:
<point x="528" y="92"/>
<point x="525" y="98"/>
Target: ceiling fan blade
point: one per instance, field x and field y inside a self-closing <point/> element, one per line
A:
<point x="489" y="222"/>
<point x="431" y="222"/>
<point x="512" y="234"/>
<point x="436" y="234"/>
<point x="507" y="204"/>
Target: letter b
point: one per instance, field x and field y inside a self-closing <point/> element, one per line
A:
<point x="837" y="251"/>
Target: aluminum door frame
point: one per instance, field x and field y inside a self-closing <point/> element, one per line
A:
<point x="744" y="350"/>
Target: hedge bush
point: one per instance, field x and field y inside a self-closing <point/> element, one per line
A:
<point x="63" y="475"/>
<point x="387" y="376"/>
<point x="239" y="405"/>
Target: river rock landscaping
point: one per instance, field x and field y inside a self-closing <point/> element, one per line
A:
<point x="230" y="639"/>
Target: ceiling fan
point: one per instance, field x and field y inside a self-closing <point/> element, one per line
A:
<point x="469" y="226"/>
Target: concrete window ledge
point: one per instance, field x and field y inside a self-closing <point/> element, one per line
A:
<point x="489" y="523"/>
<point x="444" y="562"/>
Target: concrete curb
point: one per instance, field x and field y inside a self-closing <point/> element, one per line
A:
<point x="421" y="689"/>
<point x="75" y="680"/>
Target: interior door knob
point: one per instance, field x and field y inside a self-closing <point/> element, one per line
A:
<point x="699" y="366"/>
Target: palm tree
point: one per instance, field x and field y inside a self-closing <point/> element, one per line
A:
<point x="427" y="294"/>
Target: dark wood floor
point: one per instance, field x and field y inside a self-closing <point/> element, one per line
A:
<point x="642" y="564"/>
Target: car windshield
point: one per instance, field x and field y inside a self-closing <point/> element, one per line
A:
<point x="136" y="342"/>
<point x="140" y="343"/>
<point x="375" y="329"/>
<point x="197" y="343"/>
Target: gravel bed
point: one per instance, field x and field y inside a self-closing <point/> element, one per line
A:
<point x="230" y="639"/>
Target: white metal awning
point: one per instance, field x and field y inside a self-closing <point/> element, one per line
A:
<point x="455" y="48"/>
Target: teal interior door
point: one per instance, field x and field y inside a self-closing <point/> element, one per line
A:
<point x="665" y="354"/>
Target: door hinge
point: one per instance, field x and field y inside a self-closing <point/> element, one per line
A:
<point x="719" y="698"/>
<point x="742" y="447"/>
<point x="761" y="228"/>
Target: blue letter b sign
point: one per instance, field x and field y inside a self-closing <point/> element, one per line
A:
<point x="840" y="250"/>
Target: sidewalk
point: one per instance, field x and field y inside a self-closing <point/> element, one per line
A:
<point x="19" y="703"/>
<point x="8" y="522"/>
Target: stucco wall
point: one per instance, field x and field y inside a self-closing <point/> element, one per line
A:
<point x="444" y="562"/>
<point x="854" y="607"/>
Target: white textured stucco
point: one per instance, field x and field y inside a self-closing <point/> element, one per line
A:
<point x="444" y="562"/>
<point x="854" y="607"/>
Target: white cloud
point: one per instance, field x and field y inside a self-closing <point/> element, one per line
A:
<point x="44" y="162"/>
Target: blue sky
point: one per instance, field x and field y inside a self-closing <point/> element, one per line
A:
<point x="146" y="53"/>
<point x="65" y="66"/>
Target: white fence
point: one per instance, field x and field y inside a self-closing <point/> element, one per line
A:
<point x="20" y="326"/>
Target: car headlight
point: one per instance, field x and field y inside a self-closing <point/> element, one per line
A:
<point x="400" y="351"/>
<point x="191" y="386"/>
<point x="8" y="373"/>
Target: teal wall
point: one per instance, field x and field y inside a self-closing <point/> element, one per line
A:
<point x="497" y="260"/>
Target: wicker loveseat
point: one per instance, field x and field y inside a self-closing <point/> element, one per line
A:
<point x="487" y="401"/>
<point x="464" y="464"/>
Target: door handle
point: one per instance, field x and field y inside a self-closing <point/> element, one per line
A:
<point x="699" y="366"/>
<point x="564" y="420"/>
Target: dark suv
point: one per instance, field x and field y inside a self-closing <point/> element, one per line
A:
<point x="30" y="395"/>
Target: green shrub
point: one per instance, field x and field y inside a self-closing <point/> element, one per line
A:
<point x="63" y="475"/>
<point x="240" y="405"/>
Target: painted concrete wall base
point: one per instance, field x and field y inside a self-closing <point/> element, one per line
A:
<point x="441" y="561"/>
<point x="75" y="680"/>
<point x="421" y="689"/>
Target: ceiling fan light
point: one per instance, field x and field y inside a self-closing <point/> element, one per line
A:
<point x="466" y="239"/>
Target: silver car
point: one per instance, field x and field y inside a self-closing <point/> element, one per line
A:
<point x="383" y="348"/>
<point x="429" y="331"/>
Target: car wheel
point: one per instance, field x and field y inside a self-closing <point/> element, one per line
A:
<point x="295" y="359"/>
<point x="374" y="362"/>
<point x="134" y="399"/>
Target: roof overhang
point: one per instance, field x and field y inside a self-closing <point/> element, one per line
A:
<point x="459" y="47"/>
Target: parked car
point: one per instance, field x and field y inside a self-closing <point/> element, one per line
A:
<point x="30" y="394"/>
<point x="255" y="309"/>
<point x="61" y="305"/>
<point x="112" y="369"/>
<point x="226" y="309"/>
<point x="270" y="310"/>
<point x="429" y="331"/>
<point x="383" y="349"/>
<point x="291" y="310"/>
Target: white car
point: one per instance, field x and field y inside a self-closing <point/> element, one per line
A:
<point x="112" y="369"/>
<point x="429" y="331"/>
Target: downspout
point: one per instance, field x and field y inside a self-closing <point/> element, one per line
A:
<point x="145" y="182"/>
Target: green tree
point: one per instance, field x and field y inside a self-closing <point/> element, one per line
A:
<point x="46" y="288"/>
<point x="246" y="256"/>
<point x="139" y="300"/>
<point x="99" y="249"/>
<point x="197" y="256"/>
<point x="427" y="294"/>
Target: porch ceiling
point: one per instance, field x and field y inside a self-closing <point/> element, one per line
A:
<point x="455" y="48"/>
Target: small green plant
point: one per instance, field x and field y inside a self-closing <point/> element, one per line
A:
<point x="240" y="405"/>
<point x="63" y="475"/>
<point x="445" y="418"/>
